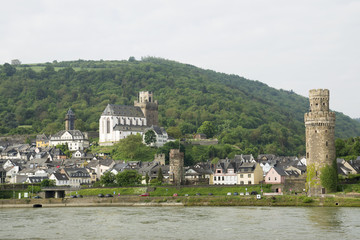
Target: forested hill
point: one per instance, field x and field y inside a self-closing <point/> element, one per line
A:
<point x="245" y="113"/>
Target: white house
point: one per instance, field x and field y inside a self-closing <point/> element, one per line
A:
<point x="160" y="134"/>
<point x="75" y="139"/>
<point x="59" y="178"/>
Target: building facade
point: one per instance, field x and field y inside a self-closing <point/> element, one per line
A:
<point x="320" y="139"/>
<point x="119" y="121"/>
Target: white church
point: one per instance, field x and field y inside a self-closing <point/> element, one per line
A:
<point x="119" y="121"/>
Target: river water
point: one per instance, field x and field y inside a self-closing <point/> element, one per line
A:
<point x="180" y="223"/>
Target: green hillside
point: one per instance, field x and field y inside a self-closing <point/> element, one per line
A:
<point x="245" y="113"/>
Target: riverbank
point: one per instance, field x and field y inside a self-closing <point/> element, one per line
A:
<point x="182" y="201"/>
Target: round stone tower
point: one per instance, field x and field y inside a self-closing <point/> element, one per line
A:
<point x="320" y="139"/>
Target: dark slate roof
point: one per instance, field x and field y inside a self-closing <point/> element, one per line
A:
<point x="60" y="176"/>
<point x="158" y="130"/>
<point x="280" y="171"/>
<point x="73" y="133"/>
<point x="42" y="137"/>
<point x="130" y="128"/>
<point x="77" y="172"/>
<point x="246" y="167"/>
<point x="123" y="110"/>
<point x="34" y="179"/>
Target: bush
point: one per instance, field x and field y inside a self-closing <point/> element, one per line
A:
<point x="307" y="200"/>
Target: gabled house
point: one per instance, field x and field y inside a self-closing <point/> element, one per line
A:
<point x="225" y="172"/>
<point x="60" y="179"/>
<point x="278" y="175"/>
<point x="74" y="139"/>
<point x="198" y="174"/>
<point x="77" y="176"/>
<point x="42" y="141"/>
<point x="35" y="179"/>
<point x="249" y="173"/>
<point x="347" y="167"/>
<point x="160" y="134"/>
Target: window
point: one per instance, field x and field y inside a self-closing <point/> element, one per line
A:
<point x="275" y="178"/>
<point x="214" y="178"/>
<point x="249" y="175"/>
<point x="241" y="175"/>
<point x="218" y="171"/>
<point x="108" y="126"/>
<point x="249" y="182"/>
<point x="327" y="144"/>
<point x="269" y="179"/>
<point x="241" y="182"/>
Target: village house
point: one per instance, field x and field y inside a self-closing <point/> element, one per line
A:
<point x="74" y="139"/>
<point x="77" y="176"/>
<point x="278" y="175"/>
<point x="249" y="173"/>
<point x="42" y="141"/>
<point x="160" y="134"/>
<point x="60" y="179"/>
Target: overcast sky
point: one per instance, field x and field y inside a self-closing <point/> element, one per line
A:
<point x="287" y="44"/>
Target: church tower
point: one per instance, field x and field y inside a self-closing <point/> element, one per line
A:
<point x="320" y="139"/>
<point x="70" y="120"/>
<point x="148" y="106"/>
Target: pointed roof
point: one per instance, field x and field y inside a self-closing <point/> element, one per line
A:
<point x="122" y="110"/>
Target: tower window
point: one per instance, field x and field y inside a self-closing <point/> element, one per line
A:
<point x="108" y="126"/>
<point x="307" y="155"/>
<point x="315" y="131"/>
<point x="327" y="143"/>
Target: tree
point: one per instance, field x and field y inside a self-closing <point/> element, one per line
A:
<point x="147" y="178"/>
<point x="47" y="183"/>
<point x="160" y="176"/>
<point x="128" y="178"/>
<point x="8" y="69"/>
<point x="107" y="178"/>
<point x="329" y="177"/>
<point x="132" y="148"/>
<point x="174" y="132"/>
<point x="207" y="128"/>
<point x="150" y="137"/>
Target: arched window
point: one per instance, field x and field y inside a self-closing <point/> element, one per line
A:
<point x="108" y="125"/>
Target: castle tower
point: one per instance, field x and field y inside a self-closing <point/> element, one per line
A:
<point x="149" y="107"/>
<point x="320" y="139"/>
<point x="70" y="120"/>
<point x="176" y="173"/>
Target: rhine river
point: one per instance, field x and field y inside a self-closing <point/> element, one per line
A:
<point x="180" y="223"/>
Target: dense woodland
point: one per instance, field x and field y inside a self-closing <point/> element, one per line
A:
<point x="247" y="115"/>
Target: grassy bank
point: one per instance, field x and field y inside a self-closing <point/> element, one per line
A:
<point x="135" y="201"/>
<point x="170" y="190"/>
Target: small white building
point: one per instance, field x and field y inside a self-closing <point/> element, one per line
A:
<point x="60" y="179"/>
<point x="75" y="139"/>
<point x="160" y="134"/>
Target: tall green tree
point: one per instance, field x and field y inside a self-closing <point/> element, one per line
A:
<point x="150" y="137"/>
<point x="128" y="178"/>
<point x="207" y="128"/>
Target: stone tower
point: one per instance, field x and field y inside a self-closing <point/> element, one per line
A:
<point x="320" y="139"/>
<point x="70" y="120"/>
<point x="148" y="106"/>
<point x="176" y="173"/>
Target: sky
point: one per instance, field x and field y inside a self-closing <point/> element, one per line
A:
<point x="286" y="44"/>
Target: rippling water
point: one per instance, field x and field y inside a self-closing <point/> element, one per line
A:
<point x="180" y="223"/>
